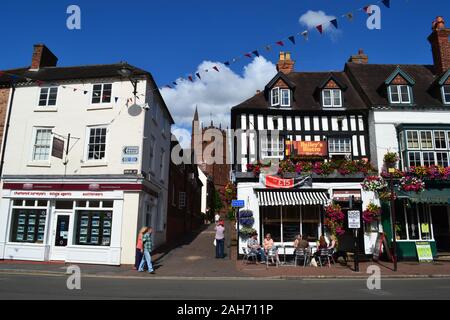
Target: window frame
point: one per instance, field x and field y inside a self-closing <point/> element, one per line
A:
<point x="332" y="98"/>
<point x="445" y="140"/>
<point x="432" y="140"/>
<point x="33" y="144"/>
<point x="399" y="93"/>
<point x="350" y="140"/>
<point x="88" y="136"/>
<point x="443" y="87"/>
<point x="265" y="150"/>
<point x="102" y="103"/>
<point x="281" y="97"/>
<point x="47" y="99"/>
<point x="272" y="96"/>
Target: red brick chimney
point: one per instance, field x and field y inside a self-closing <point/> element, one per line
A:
<point x="285" y="63"/>
<point x="42" y="57"/>
<point x="360" y="58"/>
<point x="440" y="45"/>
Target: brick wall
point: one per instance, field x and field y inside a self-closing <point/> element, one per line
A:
<point x="4" y="97"/>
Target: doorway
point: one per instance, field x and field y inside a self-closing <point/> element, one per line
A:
<point x="60" y="236"/>
<point x="440" y="216"/>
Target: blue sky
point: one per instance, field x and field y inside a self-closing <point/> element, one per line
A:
<point x="172" y="38"/>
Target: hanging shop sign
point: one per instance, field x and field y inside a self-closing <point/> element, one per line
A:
<point x="307" y="148"/>
<point x="424" y="252"/>
<point x="58" y="148"/>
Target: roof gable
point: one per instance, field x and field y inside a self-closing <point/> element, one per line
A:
<point x="445" y="78"/>
<point x="397" y="76"/>
<point x="332" y="83"/>
<point x="280" y="77"/>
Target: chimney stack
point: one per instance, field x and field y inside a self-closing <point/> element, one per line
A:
<point x="440" y="46"/>
<point x="42" y="57"/>
<point x="285" y="63"/>
<point x="360" y="58"/>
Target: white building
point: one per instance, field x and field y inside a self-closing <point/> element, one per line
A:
<point x="88" y="206"/>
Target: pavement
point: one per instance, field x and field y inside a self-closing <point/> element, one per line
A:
<point x="194" y="258"/>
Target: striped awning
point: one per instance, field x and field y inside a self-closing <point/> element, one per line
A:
<point x="291" y="198"/>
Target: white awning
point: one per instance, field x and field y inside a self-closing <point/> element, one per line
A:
<point x="291" y="198"/>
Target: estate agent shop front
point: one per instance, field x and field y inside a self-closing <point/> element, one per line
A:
<point x="73" y="226"/>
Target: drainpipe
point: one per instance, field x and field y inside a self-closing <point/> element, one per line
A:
<point x="6" y="130"/>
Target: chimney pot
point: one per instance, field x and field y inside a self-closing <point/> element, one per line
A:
<point x="285" y="63"/>
<point x="42" y="57"/>
<point x="360" y="58"/>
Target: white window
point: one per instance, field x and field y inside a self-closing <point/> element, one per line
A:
<point x="182" y="200"/>
<point x="48" y="97"/>
<point x="285" y="97"/>
<point x="332" y="98"/>
<point x="101" y="93"/>
<point x="275" y="97"/>
<point x="439" y="140"/>
<point x="412" y="138"/>
<point x="414" y="159"/>
<point x="446" y="94"/>
<point x="426" y="139"/>
<point x="340" y="145"/>
<point x="428" y="159"/>
<point x="152" y="153"/>
<point x="400" y="94"/>
<point x="96" y="147"/>
<point x="442" y="159"/>
<point x="42" y="143"/>
<point x="272" y="147"/>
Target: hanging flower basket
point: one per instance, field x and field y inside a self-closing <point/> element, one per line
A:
<point x="411" y="184"/>
<point x="246" y="218"/>
<point x="374" y="184"/>
<point x="391" y="159"/>
<point x="334" y="219"/>
<point x="246" y="232"/>
<point x="372" y="213"/>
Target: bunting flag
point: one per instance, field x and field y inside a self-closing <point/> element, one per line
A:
<point x="280" y="43"/>
<point x="305" y="34"/>
<point x="349" y="16"/>
<point x="292" y="39"/>
<point x="85" y="92"/>
<point x="190" y="78"/>
<point x="268" y="47"/>
<point x="334" y="22"/>
<point x="387" y="3"/>
<point x="366" y="9"/>
<point x="227" y="63"/>
<point x="248" y="55"/>
<point x="198" y="75"/>
<point x="256" y="53"/>
<point x="320" y="28"/>
<point x="174" y="83"/>
<point x="116" y="98"/>
<point x="168" y="86"/>
<point x="215" y="68"/>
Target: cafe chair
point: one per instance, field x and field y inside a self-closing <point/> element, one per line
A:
<point x="324" y="256"/>
<point x="249" y="255"/>
<point x="301" y="254"/>
<point x="272" y="255"/>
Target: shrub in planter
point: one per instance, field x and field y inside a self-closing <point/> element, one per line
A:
<point x="246" y="232"/>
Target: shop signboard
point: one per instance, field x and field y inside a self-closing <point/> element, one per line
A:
<point x="307" y="148"/>
<point x="354" y="219"/>
<point x="424" y="252"/>
<point x="237" y="203"/>
<point x="130" y="154"/>
<point x="58" y="148"/>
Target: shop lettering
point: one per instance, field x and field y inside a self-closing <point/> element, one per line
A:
<point x="201" y="311"/>
<point x="93" y="194"/>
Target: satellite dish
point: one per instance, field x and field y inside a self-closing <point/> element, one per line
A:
<point x="134" y="110"/>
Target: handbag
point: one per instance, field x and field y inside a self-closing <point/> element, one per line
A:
<point x="215" y="242"/>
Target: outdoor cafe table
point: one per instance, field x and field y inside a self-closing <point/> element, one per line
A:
<point x="312" y="248"/>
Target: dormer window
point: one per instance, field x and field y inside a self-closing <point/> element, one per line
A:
<point x="285" y="97"/>
<point x="332" y="98"/>
<point x="400" y="94"/>
<point x="446" y="94"/>
<point x="275" y="97"/>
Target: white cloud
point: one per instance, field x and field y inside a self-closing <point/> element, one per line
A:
<point x="312" y="19"/>
<point x="216" y="92"/>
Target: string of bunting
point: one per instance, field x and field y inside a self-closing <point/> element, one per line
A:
<point x="253" y="53"/>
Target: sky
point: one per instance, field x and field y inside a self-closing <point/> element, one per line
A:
<point x="174" y="39"/>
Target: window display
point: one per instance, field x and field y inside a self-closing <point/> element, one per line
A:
<point x="93" y="228"/>
<point x="28" y="225"/>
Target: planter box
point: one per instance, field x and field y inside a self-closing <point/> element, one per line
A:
<point x="337" y="175"/>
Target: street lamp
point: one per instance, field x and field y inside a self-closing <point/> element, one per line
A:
<point x="126" y="72"/>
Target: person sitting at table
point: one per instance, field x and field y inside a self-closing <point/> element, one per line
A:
<point x="268" y="242"/>
<point x="300" y="243"/>
<point x="254" y="246"/>
<point x="322" y="245"/>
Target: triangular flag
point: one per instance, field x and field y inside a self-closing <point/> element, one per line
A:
<point x="85" y="92"/>
<point x="227" y="63"/>
<point x="248" y="55"/>
<point x="387" y="3"/>
<point x="334" y="22"/>
<point x="198" y="75"/>
<point x="280" y="43"/>
<point x="256" y="53"/>
<point x="174" y="83"/>
<point x="190" y="78"/>
<point x="320" y="28"/>
<point x="116" y="98"/>
<point x="366" y="9"/>
<point x="215" y="68"/>
<point x="63" y="87"/>
<point x="305" y="34"/>
<point x="349" y="16"/>
<point x="268" y="47"/>
<point x="292" y="39"/>
<point x="168" y="86"/>
<point x="75" y="89"/>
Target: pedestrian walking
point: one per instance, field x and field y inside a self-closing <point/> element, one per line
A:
<point x="139" y="247"/>
<point x="147" y="258"/>
<point x="220" y="240"/>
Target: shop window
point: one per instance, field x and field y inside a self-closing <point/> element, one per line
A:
<point x="94" y="204"/>
<point x="81" y="204"/>
<point x="64" y="205"/>
<point x="412" y="139"/>
<point x="93" y="228"/>
<point x="426" y="139"/>
<point x="107" y="204"/>
<point x="439" y="140"/>
<point x="30" y="203"/>
<point x="413" y="224"/>
<point x="272" y="223"/>
<point x="414" y="159"/>
<point x="428" y="159"/>
<point x="310" y="222"/>
<point x="442" y="159"/>
<point x="425" y="221"/>
<point x="400" y="222"/>
<point x="291" y="223"/>
<point x="28" y="225"/>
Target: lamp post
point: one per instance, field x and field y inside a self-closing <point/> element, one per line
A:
<point x="126" y="72"/>
<point x="394" y="220"/>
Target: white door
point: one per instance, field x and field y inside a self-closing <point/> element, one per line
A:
<point x="60" y="236"/>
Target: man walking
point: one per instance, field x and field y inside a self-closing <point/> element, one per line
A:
<point x="147" y="242"/>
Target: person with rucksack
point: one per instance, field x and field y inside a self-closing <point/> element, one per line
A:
<point x="147" y="258"/>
